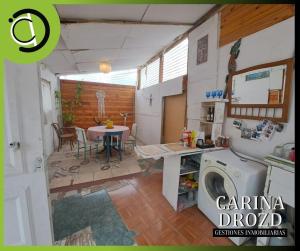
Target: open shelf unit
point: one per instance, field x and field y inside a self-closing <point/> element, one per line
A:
<point x="212" y="128"/>
<point x="180" y="179"/>
<point x="188" y="181"/>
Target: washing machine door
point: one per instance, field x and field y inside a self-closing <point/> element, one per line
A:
<point x="215" y="183"/>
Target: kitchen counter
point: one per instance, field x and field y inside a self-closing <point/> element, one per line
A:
<point x="163" y="150"/>
<point x="173" y="169"/>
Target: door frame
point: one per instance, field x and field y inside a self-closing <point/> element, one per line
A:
<point x="45" y="157"/>
<point x="43" y="118"/>
<point x="163" y="117"/>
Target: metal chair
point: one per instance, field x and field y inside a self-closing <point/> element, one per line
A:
<point x="63" y="136"/>
<point x="112" y="141"/>
<point x="132" y="137"/>
<point x="84" y="143"/>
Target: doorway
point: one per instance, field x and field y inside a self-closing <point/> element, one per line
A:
<point x="174" y="117"/>
<point x="48" y="118"/>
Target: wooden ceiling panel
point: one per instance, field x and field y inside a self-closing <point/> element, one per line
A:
<point x="240" y="20"/>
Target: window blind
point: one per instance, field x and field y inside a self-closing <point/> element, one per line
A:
<point x="175" y="61"/>
<point x="150" y="74"/>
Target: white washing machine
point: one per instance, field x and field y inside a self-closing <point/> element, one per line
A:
<point x="222" y="173"/>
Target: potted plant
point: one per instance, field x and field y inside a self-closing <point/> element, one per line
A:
<point x="69" y="106"/>
<point x="68" y="118"/>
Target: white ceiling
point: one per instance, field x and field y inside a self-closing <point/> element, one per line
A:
<point x="126" y="45"/>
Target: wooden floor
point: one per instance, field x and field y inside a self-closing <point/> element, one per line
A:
<point x="145" y="210"/>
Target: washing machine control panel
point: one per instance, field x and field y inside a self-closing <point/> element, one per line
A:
<point x="220" y="164"/>
<point x="223" y="166"/>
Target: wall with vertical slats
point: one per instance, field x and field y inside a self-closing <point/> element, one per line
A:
<point x="119" y="98"/>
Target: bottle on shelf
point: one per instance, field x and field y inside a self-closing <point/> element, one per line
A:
<point x="208" y="114"/>
<point x="212" y="115"/>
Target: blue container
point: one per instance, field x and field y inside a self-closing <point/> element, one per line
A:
<point x="214" y="93"/>
<point x="207" y="94"/>
<point x="220" y="93"/>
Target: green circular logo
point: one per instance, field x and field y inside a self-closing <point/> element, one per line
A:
<point x="30" y="33"/>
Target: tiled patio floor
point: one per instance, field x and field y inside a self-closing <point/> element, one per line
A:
<point x="64" y="169"/>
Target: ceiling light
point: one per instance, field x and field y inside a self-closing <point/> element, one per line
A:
<point x="105" y="67"/>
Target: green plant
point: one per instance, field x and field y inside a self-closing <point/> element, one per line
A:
<point x="69" y="106"/>
<point x="57" y="96"/>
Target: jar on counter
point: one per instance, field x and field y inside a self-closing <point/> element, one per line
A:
<point x="292" y="154"/>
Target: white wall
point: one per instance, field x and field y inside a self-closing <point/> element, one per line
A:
<point x="201" y="77"/>
<point x="50" y="138"/>
<point x="272" y="44"/>
<point x="268" y="45"/>
<point x="149" y="118"/>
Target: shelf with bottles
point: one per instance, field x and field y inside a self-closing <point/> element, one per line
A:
<point x="210" y="114"/>
<point x="213" y="113"/>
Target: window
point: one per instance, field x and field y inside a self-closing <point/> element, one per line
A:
<point x="175" y="61"/>
<point x="150" y="74"/>
<point x="126" y="77"/>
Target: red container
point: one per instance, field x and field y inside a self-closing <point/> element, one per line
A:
<point x="292" y="155"/>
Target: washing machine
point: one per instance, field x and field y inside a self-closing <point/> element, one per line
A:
<point x="222" y="173"/>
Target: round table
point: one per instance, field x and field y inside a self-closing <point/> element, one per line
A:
<point x="98" y="131"/>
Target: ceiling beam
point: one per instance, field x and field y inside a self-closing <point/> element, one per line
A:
<point x="145" y="12"/>
<point x="108" y="21"/>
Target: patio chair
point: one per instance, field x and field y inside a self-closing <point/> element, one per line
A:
<point x="84" y="143"/>
<point x="62" y="137"/>
<point x="112" y="141"/>
<point x="132" y="137"/>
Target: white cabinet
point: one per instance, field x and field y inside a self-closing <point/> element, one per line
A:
<point x="171" y="179"/>
<point x="280" y="182"/>
<point x="179" y="169"/>
<point x="180" y="163"/>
